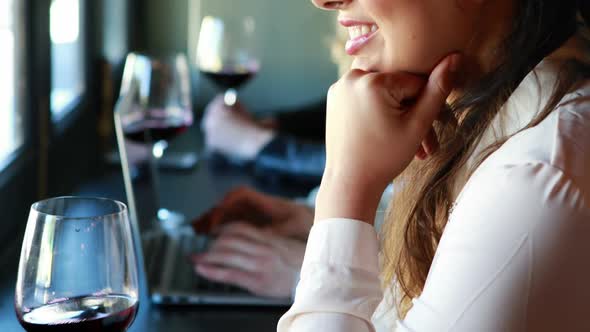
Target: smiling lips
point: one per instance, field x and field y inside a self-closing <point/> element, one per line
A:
<point x="360" y="34"/>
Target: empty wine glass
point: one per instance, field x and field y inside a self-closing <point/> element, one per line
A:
<point x="78" y="268"/>
<point x="225" y="53"/>
<point x="162" y="110"/>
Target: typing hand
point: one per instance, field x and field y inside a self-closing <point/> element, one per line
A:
<point x="283" y="217"/>
<point x="255" y="259"/>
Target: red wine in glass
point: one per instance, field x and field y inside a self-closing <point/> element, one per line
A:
<point x="78" y="270"/>
<point x="228" y="79"/>
<point x="226" y="55"/>
<point x="105" y="313"/>
<point x="231" y="80"/>
<point x="156" y="124"/>
<point x="141" y="131"/>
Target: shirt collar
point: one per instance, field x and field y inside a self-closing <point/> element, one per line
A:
<point x="535" y="91"/>
<point x="529" y="99"/>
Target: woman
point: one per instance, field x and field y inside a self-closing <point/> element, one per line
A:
<point x="491" y="232"/>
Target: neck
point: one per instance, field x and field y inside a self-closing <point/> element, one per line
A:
<point x="491" y="27"/>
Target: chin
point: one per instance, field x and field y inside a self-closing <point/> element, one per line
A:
<point x="365" y="64"/>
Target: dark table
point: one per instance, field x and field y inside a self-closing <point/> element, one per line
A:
<point x="192" y="193"/>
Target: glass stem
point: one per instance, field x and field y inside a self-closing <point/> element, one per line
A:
<point x="230" y="98"/>
<point x="156" y="153"/>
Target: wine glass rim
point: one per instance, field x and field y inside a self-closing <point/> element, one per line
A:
<point x="155" y="56"/>
<point x="122" y="207"/>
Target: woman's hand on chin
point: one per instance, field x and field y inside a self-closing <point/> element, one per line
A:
<point x="376" y="124"/>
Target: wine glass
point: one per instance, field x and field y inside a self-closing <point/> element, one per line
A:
<point x="225" y="53"/>
<point x="78" y="268"/>
<point x="161" y="111"/>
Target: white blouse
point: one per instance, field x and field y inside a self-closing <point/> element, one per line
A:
<point x="514" y="256"/>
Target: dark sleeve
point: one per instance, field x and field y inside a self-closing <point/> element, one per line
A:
<point x="292" y="157"/>
<point x="308" y="122"/>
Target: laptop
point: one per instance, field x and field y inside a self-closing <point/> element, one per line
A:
<point x="170" y="274"/>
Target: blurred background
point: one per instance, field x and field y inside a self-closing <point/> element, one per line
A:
<point x="62" y="63"/>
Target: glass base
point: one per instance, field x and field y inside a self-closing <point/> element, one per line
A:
<point x="169" y="220"/>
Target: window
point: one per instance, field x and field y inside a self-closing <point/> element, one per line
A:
<point x="67" y="56"/>
<point x="11" y="124"/>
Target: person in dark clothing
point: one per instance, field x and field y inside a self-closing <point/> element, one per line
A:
<point x="289" y="144"/>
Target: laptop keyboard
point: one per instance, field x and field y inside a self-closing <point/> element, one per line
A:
<point x="168" y="265"/>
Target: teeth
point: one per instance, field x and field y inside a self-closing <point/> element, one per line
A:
<point x="354" y="32"/>
<point x="361" y="30"/>
<point x="365" y="29"/>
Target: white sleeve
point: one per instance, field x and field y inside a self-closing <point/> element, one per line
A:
<point x="513" y="257"/>
<point x="339" y="287"/>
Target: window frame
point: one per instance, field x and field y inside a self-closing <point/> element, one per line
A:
<point x="69" y="117"/>
<point x="21" y="33"/>
<point x="47" y="145"/>
<point x="18" y="177"/>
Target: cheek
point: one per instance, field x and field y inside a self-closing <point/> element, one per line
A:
<point x="417" y="41"/>
<point x="379" y="6"/>
<point x="417" y="49"/>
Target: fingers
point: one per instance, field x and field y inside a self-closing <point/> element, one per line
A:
<point x="255" y="201"/>
<point x="215" y="104"/>
<point x="403" y="88"/>
<point x="430" y="143"/>
<point x="244" y="194"/>
<point x="400" y="89"/>
<point x="250" y="207"/>
<point x="218" y="105"/>
<point x="207" y="223"/>
<point x="252" y="243"/>
<point x="437" y="90"/>
<point x="236" y="259"/>
<point x="244" y="230"/>
<point x="421" y="154"/>
<point x="218" y="100"/>
<point x="240" y="246"/>
<point x="228" y="258"/>
<point x="247" y="280"/>
<point x="242" y="203"/>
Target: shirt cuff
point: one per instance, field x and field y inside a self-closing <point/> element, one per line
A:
<point x="343" y="242"/>
<point x="339" y="278"/>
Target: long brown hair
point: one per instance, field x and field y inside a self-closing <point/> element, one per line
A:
<point x="420" y="210"/>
